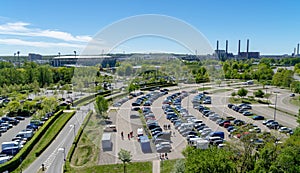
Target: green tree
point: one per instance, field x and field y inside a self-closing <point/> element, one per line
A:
<point x="242" y="92"/>
<point x="13" y="107"/>
<point x="101" y="105"/>
<point x="259" y="93"/>
<point x="209" y="161"/>
<point x="125" y="157"/>
<point x="179" y="166"/>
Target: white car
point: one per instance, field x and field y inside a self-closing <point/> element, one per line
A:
<point x="285" y="130"/>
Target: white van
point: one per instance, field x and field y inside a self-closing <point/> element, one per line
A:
<point x="10" y="144"/>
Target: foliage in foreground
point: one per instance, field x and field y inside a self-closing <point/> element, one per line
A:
<point x="270" y="157"/>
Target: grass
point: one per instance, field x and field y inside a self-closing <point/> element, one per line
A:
<point x="283" y="111"/>
<point x="295" y="101"/>
<point x="88" y="146"/>
<point x="204" y="88"/>
<point x="46" y="140"/>
<point x="167" y="166"/>
<point x="236" y="100"/>
<point x="134" y="167"/>
<point x="221" y="90"/>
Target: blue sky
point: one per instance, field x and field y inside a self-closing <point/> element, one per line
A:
<point x="49" y="27"/>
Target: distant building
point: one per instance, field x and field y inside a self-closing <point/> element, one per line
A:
<point x="34" y="57"/>
<point x="245" y="55"/>
<point x="88" y="60"/>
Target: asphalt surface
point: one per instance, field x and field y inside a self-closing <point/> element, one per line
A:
<point x="53" y="156"/>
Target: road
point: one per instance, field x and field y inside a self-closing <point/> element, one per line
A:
<point x="53" y="156"/>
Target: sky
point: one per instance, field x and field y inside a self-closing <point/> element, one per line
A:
<point x="52" y="26"/>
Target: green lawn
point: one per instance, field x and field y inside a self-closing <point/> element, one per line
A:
<point x="295" y="101"/>
<point x="167" y="166"/>
<point x="46" y="139"/>
<point x="221" y="90"/>
<point x="204" y="88"/>
<point x="237" y="100"/>
<point x="135" y="167"/>
<point x="86" y="152"/>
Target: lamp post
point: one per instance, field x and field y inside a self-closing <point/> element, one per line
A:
<point x="275" y="108"/>
<point x="18" y="58"/>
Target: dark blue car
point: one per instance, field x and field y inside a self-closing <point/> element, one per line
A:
<point x="258" y="117"/>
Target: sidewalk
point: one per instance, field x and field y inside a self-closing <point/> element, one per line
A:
<point x="156" y="166"/>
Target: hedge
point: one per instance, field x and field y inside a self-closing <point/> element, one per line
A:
<point x="17" y="159"/>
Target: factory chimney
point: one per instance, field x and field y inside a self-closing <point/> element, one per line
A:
<point x="294" y="51"/>
<point x="226" y="46"/>
<point x="217" y="45"/>
<point x="298" y="49"/>
<point x="247" y="48"/>
<point x="239" y="47"/>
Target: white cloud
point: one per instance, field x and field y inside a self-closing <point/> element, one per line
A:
<point x="19" y="42"/>
<point x="23" y="29"/>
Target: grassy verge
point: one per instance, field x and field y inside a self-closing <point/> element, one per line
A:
<point x="89" y="143"/>
<point x="204" y="88"/>
<point x="167" y="166"/>
<point x="221" y="90"/>
<point x="135" y="167"/>
<point x="236" y="100"/>
<point x="295" y="101"/>
<point x="46" y="139"/>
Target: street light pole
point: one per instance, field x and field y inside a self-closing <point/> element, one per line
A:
<point x="275" y="108"/>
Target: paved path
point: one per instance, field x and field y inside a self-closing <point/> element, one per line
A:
<point x="156" y="166"/>
<point x="53" y="156"/>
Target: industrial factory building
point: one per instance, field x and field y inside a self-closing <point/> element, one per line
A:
<point x="224" y="54"/>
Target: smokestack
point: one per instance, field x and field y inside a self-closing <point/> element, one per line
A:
<point x="298" y="49"/>
<point x="294" y="51"/>
<point x="217" y="45"/>
<point x="239" y="47"/>
<point x="226" y="46"/>
<point x="247" y="46"/>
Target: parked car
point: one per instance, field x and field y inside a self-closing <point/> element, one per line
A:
<point x="20" y="118"/>
<point x="267" y="121"/>
<point x="285" y="130"/>
<point x="247" y="113"/>
<point x="258" y="117"/>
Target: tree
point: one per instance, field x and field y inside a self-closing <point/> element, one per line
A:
<point x="101" y="105"/>
<point x="233" y="94"/>
<point x="242" y="92"/>
<point x="209" y="161"/>
<point x="259" y="93"/>
<point x="13" y="107"/>
<point x="125" y="157"/>
<point x="179" y="166"/>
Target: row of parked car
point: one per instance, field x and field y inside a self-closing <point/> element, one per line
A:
<point x="194" y="130"/>
<point x="229" y="123"/>
<point x="11" y="148"/>
<point x="160" y="138"/>
<point x="270" y="123"/>
<point x="7" y="123"/>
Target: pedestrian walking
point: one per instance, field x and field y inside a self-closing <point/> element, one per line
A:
<point x="166" y="155"/>
<point x="169" y="126"/>
<point x="174" y="133"/>
<point x="131" y="134"/>
<point x="122" y="135"/>
<point x="128" y="136"/>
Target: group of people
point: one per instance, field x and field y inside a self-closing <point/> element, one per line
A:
<point x="167" y="126"/>
<point x="129" y="135"/>
<point x="163" y="156"/>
